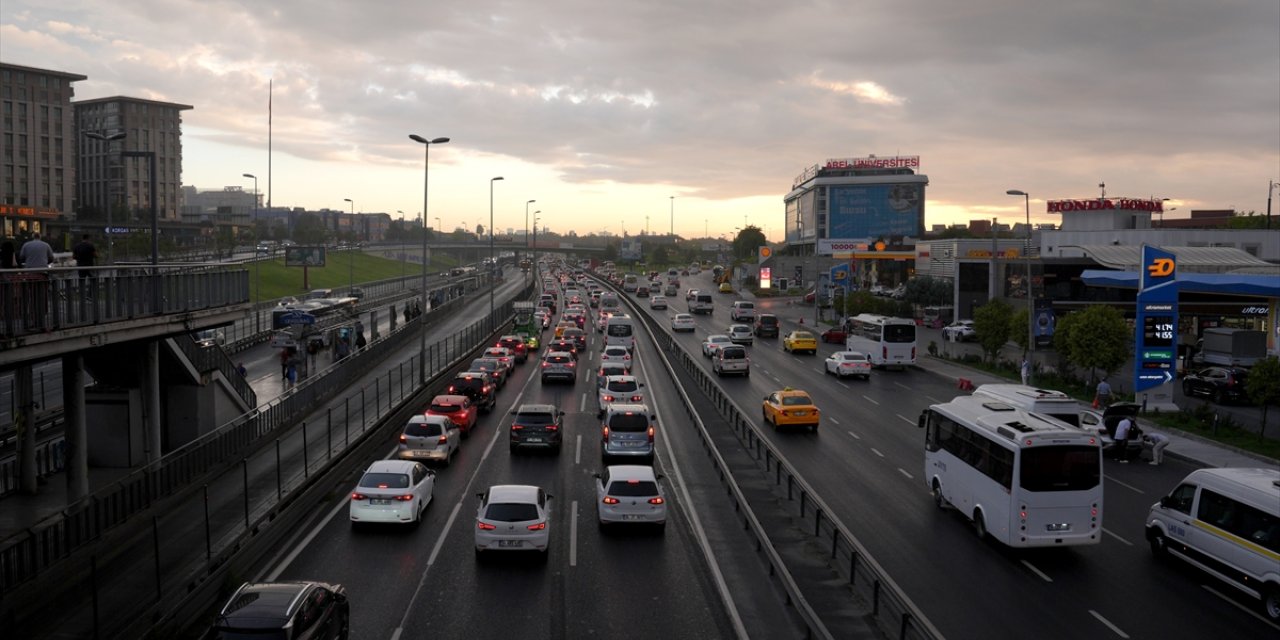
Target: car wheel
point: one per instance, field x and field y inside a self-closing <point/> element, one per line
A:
<point x="1271" y="603"/>
<point x="938" y="500"/>
<point x="813" y="428"/>
<point x="764" y="416"/>
<point x="1159" y="545"/>
<point x="979" y="525"/>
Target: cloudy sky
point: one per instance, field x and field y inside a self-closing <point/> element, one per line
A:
<point x="601" y="111"/>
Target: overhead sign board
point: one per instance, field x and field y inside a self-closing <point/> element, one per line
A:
<point x="295" y="318"/>
<point x="1104" y="204"/>
<point x="1157" y="322"/>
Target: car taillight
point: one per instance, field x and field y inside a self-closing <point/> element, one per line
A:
<point x="403" y="438"/>
<point x="637" y="398"/>
<point x="608" y="398"/>
<point x="606" y="433"/>
<point x="545" y="365"/>
<point x="573" y="364"/>
<point x="485" y="526"/>
<point x="610" y="500"/>
<point x="538" y="527"/>
<point x="486" y="388"/>
<point x="452" y="389"/>
<point x="553" y="427"/>
<point x="657" y="500"/>
<point x="650" y="434"/>
<point x="405" y="498"/>
<point x="443" y="440"/>
<point x="359" y="496"/>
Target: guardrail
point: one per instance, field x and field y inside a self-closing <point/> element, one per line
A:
<point x="891" y="610"/>
<point x="209" y="358"/>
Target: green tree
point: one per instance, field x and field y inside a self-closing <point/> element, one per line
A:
<point x="1018" y="328"/>
<point x="1247" y="220"/>
<point x="1263" y="387"/>
<point x="748" y="241"/>
<point x="659" y="256"/>
<point x="610" y="251"/>
<point x="309" y="230"/>
<point x="1097" y="339"/>
<point x="928" y="290"/>
<point x="992" y="321"/>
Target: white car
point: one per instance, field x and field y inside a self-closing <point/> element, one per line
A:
<point x="849" y="363"/>
<point x="630" y="493"/>
<point x="682" y="322"/>
<point x="503" y="355"/>
<point x="714" y="342"/>
<point x="543" y="320"/>
<point x="742" y="310"/>
<point x="513" y="517"/>
<point x="616" y="353"/>
<point x="429" y="437"/>
<point x="392" y="491"/>
<point x="619" y="389"/>
<point x="658" y="302"/>
<point x="740" y="334"/>
<point x="959" y="331"/>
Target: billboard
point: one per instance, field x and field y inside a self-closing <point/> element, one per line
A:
<point x="877" y="210"/>
<point x="629" y="250"/>
<point x="304" y="256"/>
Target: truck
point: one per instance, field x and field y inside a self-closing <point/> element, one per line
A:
<point x="1230" y="347"/>
<point x="524" y="322"/>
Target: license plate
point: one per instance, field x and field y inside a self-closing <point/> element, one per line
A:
<point x="800" y="413"/>
<point x="632" y="516"/>
<point x="379" y="501"/>
<point x="533" y="439"/>
<point x="509" y="543"/>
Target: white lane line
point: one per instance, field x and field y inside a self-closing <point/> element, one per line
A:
<point x="573" y="534"/>
<point x="577" y="451"/>
<point x="1113" y="535"/>
<point x="934" y="400"/>
<point x="1240" y="606"/>
<point x="582" y="406"/>
<point x="843" y="384"/>
<point x="902" y="385"/>
<point x="906" y="419"/>
<point x="293" y="555"/>
<point x="868" y="398"/>
<point x="453" y="515"/>
<point x="1108" y="623"/>
<point x="877" y="452"/>
<point x="1127" y="486"/>
<point x="819" y="370"/>
<point x="834" y="421"/>
<point x="904" y="472"/>
<point x="775" y="378"/>
<point x="855" y="436"/>
<point x="1036" y="571"/>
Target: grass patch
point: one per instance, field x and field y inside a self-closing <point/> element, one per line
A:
<point x="341" y="268"/>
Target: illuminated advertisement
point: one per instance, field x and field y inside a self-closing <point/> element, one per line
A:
<point x="874" y="211"/>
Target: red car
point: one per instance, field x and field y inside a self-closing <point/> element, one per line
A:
<point x="459" y="409"/>
<point x="516" y="345"/>
<point x="835" y="335"/>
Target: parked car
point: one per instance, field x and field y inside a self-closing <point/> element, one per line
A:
<point x="513" y="517"/>
<point x="392" y="491"/>
<point x="630" y="493"/>
<point x="1219" y="383"/>
<point x="1104" y="422"/>
<point x="285" y="610"/>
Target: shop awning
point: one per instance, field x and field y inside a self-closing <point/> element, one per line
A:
<point x="1241" y="284"/>
<point x="1199" y="259"/>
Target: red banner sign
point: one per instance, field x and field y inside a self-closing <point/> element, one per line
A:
<point x="1103" y="204"/>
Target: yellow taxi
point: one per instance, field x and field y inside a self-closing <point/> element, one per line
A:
<point x="800" y="342"/>
<point x="725" y="287"/>
<point x="790" y="407"/>
<point x="564" y="324"/>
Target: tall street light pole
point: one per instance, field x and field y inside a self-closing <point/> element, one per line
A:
<point x="535" y="237"/>
<point x="351" y="256"/>
<point x="257" y="262"/>
<point x="151" y="167"/>
<point x="1271" y="187"/>
<point x="1026" y="253"/>
<point x="673" y="218"/>
<point x="526" y="236"/>
<point x="111" y="244"/>
<point x="493" y="263"/>
<point x="422" y="327"/>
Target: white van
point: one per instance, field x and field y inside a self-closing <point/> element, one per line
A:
<point x="1227" y="523"/>
<point x="1048" y="402"/>
<point x="620" y="330"/>
<point x="630" y="283"/>
<point x="701" y="303"/>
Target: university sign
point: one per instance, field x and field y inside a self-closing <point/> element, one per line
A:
<point x="1104" y="204"/>
<point x="872" y="162"/>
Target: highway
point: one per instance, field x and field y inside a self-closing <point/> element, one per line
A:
<point x="867" y="460"/>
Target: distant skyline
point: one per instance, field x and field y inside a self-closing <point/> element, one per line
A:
<point x="602" y="111"/>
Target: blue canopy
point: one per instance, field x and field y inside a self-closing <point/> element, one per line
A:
<point x="1246" y="284"/>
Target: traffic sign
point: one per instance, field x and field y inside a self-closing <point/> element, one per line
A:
<point x="296" y="318"/>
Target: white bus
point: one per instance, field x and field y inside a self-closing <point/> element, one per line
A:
<point x="1025" y="479"/>
<point x="890" y="342"/>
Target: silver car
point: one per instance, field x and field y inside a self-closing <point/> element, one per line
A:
<point x="429" y="438"/>
<point x="740" y="334"/>
<point x="630" y="494"/>
<point x="628" y="432"/>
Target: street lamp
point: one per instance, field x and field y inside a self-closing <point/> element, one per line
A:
<point x="111" y="243"/>
<point x="673" y="218"/>
<point x="1031" y="323"/>
<point x="351" y="256"/>
<point x="257" y="263"/>
<point x="422" y="329"/>
<point x="526" y="235"/>
<point x="493" y="263"/>
<point x="535" y="238"/>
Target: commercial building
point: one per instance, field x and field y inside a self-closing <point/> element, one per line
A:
<point x="38" y="156"/>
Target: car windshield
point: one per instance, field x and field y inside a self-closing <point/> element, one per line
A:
<point x="718" y="339"/>
<point x="445" y="407"/>
<point x="385" y="480"/>
<point x="629" y="422"/>
<point x="423" y="429"/>
<point x="900" y="333"/>
<point x="622" y="385"/>
<point x="795" y="401"/>
<point x="632" y="488"/>
<point x="802" y="335"/>
<point x="1060" y="468"/>
<point x="534" y="418"/>
<point x="511" y="512"/>
<point x="483" y="364"/>
<point x="619" y="330"/>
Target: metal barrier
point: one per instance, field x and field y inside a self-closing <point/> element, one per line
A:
<point x="210" y="358"/>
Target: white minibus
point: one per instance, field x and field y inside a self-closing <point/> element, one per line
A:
<point x="619" y="329"/>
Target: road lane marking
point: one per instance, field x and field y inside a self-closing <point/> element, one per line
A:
<point x="1108" y="623"/>
<point x="573" y="534"/>
<point x="906" y="419"/>
<point x="775" y="378"/>
<point x="1036" y="571"/>
<point x="855" y="436"/>
<point x="1127" y="486"/>
<point x="868" y="398"/>
<point x="877" y="452"/>
<point x="1108" y="532"/>
<point x="1240" y="606"/>
<point x="834" y="421"/>
<point x="577" y="451"/>
<point x="582" y="406"/>
<point x="823" y="372"/>
<point x="904" y="472"/>
<point x="902" y="385"/>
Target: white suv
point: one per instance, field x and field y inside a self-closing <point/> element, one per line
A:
<point x="743" y="310"/>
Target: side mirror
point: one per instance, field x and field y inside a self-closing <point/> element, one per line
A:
<point x="513" y="412"/>
<point x="642" y="384"/>
<point x="654" y="417"/>
<point x="660" y="476"/>
<point x="560" y="413"/>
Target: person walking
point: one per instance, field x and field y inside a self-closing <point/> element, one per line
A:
<point x="1026" y="371"/>
<point x="1122" y="440"/>
<point x="1103" y="397"/>
<point x="86" y="255"/>
<point x="1158" y="442"/>
<point x="242" y="370"/>
<point x="284" y="364"/>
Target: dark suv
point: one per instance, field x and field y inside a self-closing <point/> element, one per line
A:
<point x="476" y="385"/>
<point x="536" y="425"/>
<point x="766" y="326"/>
<point x="285" y="611"/>
<point x="1220" y="383"/>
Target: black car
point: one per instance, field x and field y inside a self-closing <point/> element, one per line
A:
<point x="287" y="611"/>
<point x="1219" y="383"/>
<point x="766" y="326"/>
<point x="564" y="344"/>
<point x="536" y="425"/>
<point x="478" y="386"/>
